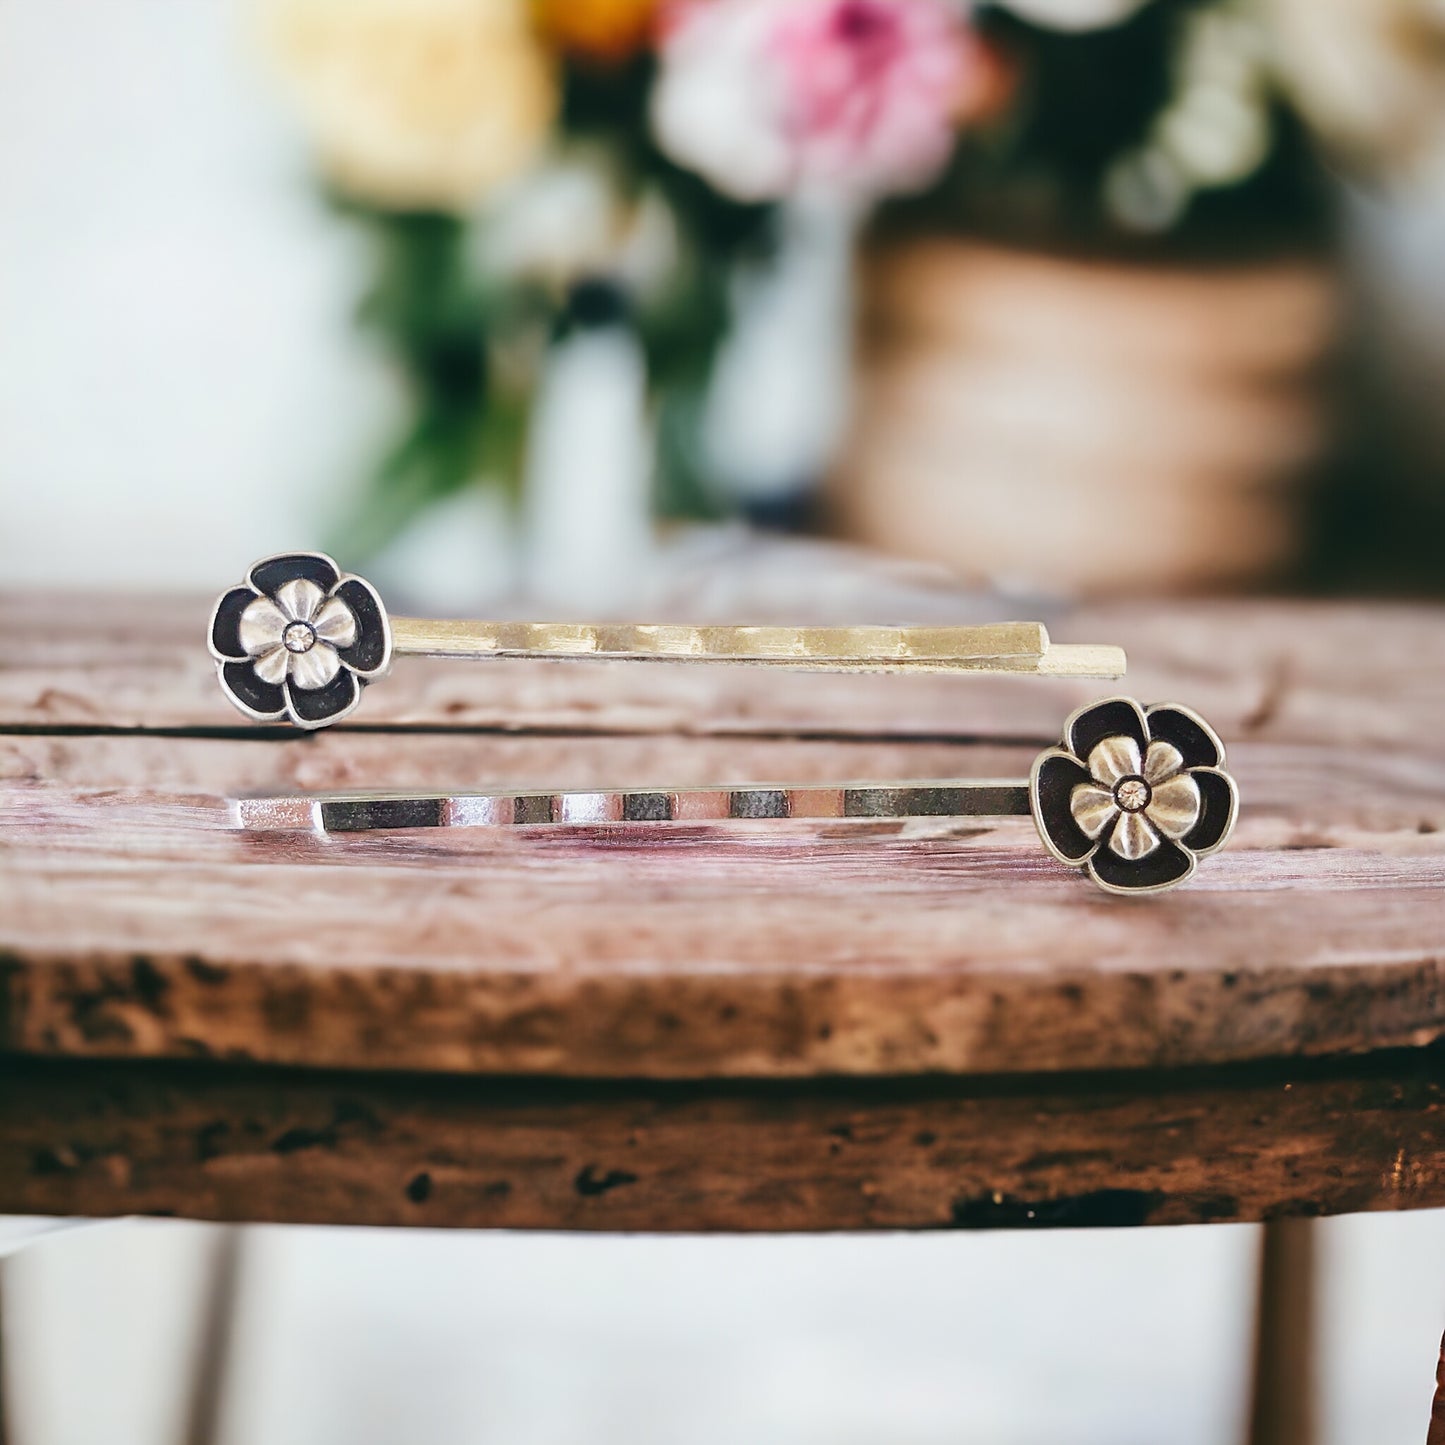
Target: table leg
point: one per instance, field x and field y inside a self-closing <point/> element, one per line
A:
<point x="4" y="1380"/>
<point x="1437" y="1412"/>
<point x="1284" y="1409"/>
<point x="217" y="1325"/>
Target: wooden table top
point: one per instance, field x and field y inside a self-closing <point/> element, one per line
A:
<point x="135" y="921"/>
<point x="136" y="924"/>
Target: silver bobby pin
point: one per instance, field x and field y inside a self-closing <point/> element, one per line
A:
<point x="1133" y="795"/>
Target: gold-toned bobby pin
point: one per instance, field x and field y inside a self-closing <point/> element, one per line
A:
<point x="299" y="640"/>
<point x="1134" y="796"/>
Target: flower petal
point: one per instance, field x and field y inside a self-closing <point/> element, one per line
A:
<point x="1132" y="837"/>
<point x="299" y="598"/>
<point x="1219" y="800"/>
<point x="1167" y="865"/>
<point x="325" y="705"/>
<point x="261" y="626"/>
<point x="1114" y="717"/>
<point x="1197" y="742"/>
<point x="1055" y="775"/>
<point x="225" y="641"/>
<point x="1162" y="760"/>
<point x="1093" y="808"/>
<point x="271" y="666"/>
<point x="314" y="668"/>
<point x="1114" y="758"/>
<point x="1175" y="805"/>
<point x="258" y="700"/>
<point x="370" y="655"/>
<point x="270" y="573"/>
<point x="335" y="623"/>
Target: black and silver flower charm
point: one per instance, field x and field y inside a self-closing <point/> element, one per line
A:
<point x="1134" y="795"/>
<point x="299" y="640"/>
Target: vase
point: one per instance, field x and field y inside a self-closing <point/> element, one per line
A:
<point x="1085" y="425"/>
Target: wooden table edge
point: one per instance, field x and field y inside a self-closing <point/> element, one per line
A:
<point x="681" y="1023"/>
<point x="1281" y="1138"/>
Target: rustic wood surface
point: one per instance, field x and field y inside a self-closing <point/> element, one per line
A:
<point x="807" y="1026"/>
<point x="215" y="1141"/>
<point x="135" y="922"/>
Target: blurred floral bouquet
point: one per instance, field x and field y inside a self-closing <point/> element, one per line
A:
<point x="527" y="169"/>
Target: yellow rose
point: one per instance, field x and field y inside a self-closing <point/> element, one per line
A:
<point x="416" y="104"/>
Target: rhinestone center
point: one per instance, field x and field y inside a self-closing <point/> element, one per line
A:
<point x="299" y="637"/>
<point x="1132" y="794"/>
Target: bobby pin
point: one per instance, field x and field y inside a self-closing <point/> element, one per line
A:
<point x="1133" y="795"/>
<point x="299" y="640"/>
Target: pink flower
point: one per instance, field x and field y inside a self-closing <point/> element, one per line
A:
<point x="766" y="98"/>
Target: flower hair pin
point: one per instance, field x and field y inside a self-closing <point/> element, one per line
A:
<point x="299" y="640"/>
<point x="1134" y="796"/>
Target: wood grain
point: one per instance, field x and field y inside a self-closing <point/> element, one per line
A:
<point x="213" y="1142"/>
<point x="1298" y="672"/>
<point x="134" y="922"/>
<point x="818" y="1025"/>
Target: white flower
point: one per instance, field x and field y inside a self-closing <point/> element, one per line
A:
<point x="716" y="108"/>
<point x="1149" y="796"/>
<point x="296" y="634"/>
<point x="1073" y="14"/>
<point x="1369" y="75"/>
<point x="862" y="97"/>
<point x="568" y="220"/>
